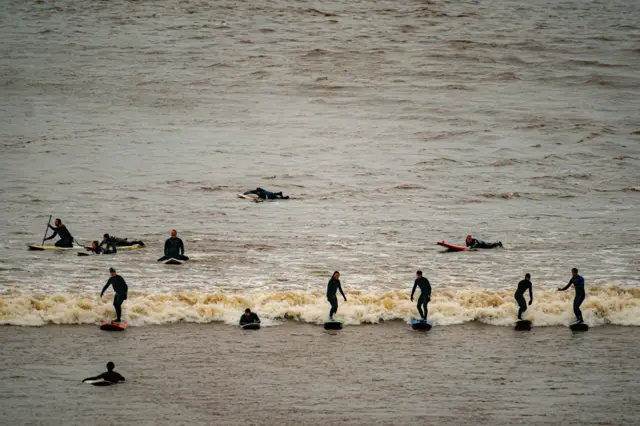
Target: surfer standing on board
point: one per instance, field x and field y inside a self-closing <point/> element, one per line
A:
<point x="578" y="283"/>
<point x="332" y="289"/>
<point x="523" y="286"/>
<point x="173" y="248"/>
<point x="66" y="240"/>
<point x="121" y="289"/>
<point x="109" y="376"/>
<point x="266" y="195"/>
<point x="472" y="243"/>
<point x="425" y="294"/>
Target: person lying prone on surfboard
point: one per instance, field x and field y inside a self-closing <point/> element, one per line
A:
<point x="472" y="243"/>
<point x="109" y="375"/>
<point x="266" y="195"/>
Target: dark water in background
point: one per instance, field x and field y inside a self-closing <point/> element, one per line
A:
<point x="393" y="125"/>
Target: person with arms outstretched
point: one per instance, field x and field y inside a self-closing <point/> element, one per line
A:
<point x="109" y="376"/>
<point x="332" y="289"/>
<point x="425" y="294"/>
<point x="173" y="248"/>
<point x="60" y="230"/>
<point x="578" y="284"/>
<point x="249" y="317"/>
<point x="121" y="289"/>
<point x="523" y="286"/>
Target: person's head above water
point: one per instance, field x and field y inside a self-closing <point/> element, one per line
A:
<point x="336" y="275"/>
<point x="469" y="238"/>
<point x="174" y="233"/>
<point x="574" y="271"/>
<point x="419" y="274"/>
<point x="527" y="276"/>
<point x="247" y="311"/>
<point x="105" y="237"/>
<point x="112" y="271"/>
<point x="110" y="366"/>
<point x="58" y="222"/>
<point x="94" y="245"/>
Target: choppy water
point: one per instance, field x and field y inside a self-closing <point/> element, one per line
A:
<point x="392" y="124"/>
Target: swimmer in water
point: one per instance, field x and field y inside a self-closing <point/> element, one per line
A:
<point x="425" y="294"/>
<point x="109" y="376"/>
<point x="523" y="286"/>
<point x="332" y="289"/>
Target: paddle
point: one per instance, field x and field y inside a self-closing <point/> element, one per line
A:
<point x="46" y="229"/>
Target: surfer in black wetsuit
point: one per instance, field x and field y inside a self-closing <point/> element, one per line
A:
<point x="66" y="240"/>
<point x="249" y="317"/>
<point x="173" y="248"/>
<point x="578" y="283"/>
<point x="121" y="289"/>
<point x="332" y="289"/>
<point x="114" y="242"/>
<point x="425" y="294"/>
<point x="266" y="195"/>
<point x="472" y="243"/>
<point x="109" y="376"/>
<point x="523" y="286"/>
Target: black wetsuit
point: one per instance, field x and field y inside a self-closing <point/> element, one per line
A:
<point x="121" y="289"/>
<point x="266" y="195"/>
<point x="425" y="295"/>
<point x="66" y="240"/>
<point x="109" y="376"/>
<point x="578" y="284"/>
<point x="173" y="248"/>
<point x="523" y="286"/>
<point x="109" y="246"/>
<point x="478" y="244"/>
<point x="121" y="242"/>
<point x="332" y="289"/>
<point x="250" y="319"/>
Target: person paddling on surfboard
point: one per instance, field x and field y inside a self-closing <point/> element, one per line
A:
<point x="523" y="286"/>
<point x="109" y="376"/>
<point x="578" y="283"/>
<point x="173" y="248"/>
<point x="266" y="195"/>
<point x="121" y="289"/>
<point x="66" y="240"/>
<point x="425" y="294"/>
<point x="249" y="317"/>
<point x="472" y="243"/>
<point x="332" y="289"/>
<point x="114" y="242"/>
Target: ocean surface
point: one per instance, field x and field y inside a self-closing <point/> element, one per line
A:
<point x="393" y="125"/>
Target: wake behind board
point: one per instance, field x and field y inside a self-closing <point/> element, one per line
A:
<point x="251" y="326"/>
<point x="113" y="326"/>
<point x="333" y="325"/>
<point x="579" y="327"/>
<point x="172" y="261"/>
<point x="523" y="325"/>
<point x="452" y="247"/>
<point x="419" y="324"/>
<point x="39" y="247"/>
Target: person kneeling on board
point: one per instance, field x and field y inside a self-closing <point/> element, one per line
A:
<point x="173" y="248"/>
<point x="266" y="195"/>
<point x="249" y="317"/>
<point x="66" y="240"/>
<point x="332" y="288"/>
<point x="109" y="376"/>
<point x="425" y="294"/>
<point x="472" y="243"/>
<point x="121" y="289"/>
<point x="523" y="286"/>
<point x="578" y="283"/>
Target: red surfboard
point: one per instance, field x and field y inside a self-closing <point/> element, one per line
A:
<point x="451" y="247"/>
<point x="113" y="326"/>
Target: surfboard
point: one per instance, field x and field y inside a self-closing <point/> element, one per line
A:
<point x="333" y="325"/>
<point x="113" y="326"/>
<point x="452" y="247"/>
<point x="579" y="327"/>
<point x="99" y="382"/>
<point x="419" y="324"/>
<point x="39" y="247"/>
<point x="252" y="197"/>
<point x="173" y="261"/>
<point x="251" y="326"/>
<point x="523" y="325"/>
<point x="135" y="246"/>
